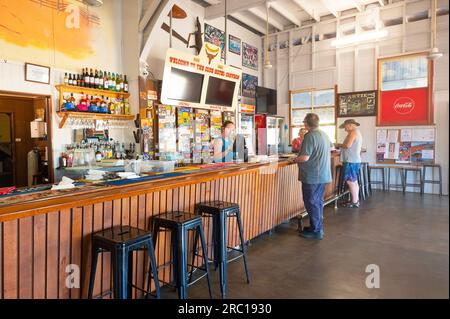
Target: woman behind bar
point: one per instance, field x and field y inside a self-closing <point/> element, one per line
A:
<point x="351" y="158"/>
<point x="223" y="147"/>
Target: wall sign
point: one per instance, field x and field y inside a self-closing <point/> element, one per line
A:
<point x="353" y="104"/>
<point x="404" y="107"/>
<point x="37" y="73"/>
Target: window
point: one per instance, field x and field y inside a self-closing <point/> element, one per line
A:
<point x="404" y="73"/>
<point x="321" y="102"/>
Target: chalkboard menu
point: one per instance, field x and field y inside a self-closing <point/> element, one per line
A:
<point x="353" y="104"/>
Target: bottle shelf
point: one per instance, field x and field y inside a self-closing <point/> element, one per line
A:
<point x="92" y="116"/>
<point x="83" y="90"/>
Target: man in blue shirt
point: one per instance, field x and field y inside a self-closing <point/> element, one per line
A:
<point x="314" y="166"/>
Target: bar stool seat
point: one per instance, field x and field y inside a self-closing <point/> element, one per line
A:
<point x="377" y="182"/>
<point x="220" y="211"/>
<point x="416" y="170"/>
<point x="179" y="224"/>
<point x="432" y="181"/>
<point x="121" y="241"/>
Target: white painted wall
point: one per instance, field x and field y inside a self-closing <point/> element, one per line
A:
<point x="319" y="65"/>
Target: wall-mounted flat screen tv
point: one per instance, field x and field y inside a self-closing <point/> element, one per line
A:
<point x="266" y="100"/>
<point x="220" y="92"/>
<point x="185" y="86"/>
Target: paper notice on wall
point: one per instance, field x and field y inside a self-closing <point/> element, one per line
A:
<point x="392" y="151"/>
<point x="392" y="136"/>
<point x="423" y="135"/>
<point x="381" y="136"/>
<point x="406" y="135"/>
<point x="427" y="154"/>
<point x="404" y="155"/>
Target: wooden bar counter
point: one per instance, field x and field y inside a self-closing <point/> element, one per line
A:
<point x="41" y="237"/>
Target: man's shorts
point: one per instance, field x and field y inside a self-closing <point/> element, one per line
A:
<point x="351" y="171"/>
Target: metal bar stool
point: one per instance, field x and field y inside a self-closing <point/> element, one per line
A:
<point x="417" y="170"/>
<point x="220" y="211"/>
<point x="365" y="169"/>
<point x="121" y="241"/>
<point x="401" y="172"/>
<point x="375" y="182"/>
<point x="432" y="181"/>
<point x="179" y="223"/>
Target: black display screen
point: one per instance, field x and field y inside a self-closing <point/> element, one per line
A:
<point x="185" y="86"/>
<point x="266" y="101"/>
<point x="220" y="92"/>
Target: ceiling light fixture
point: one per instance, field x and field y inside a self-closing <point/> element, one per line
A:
<point x="267" y="64"/>
<point x="93" y="3"/>
<point x="434" y="53"/>
<point x="362" y="37"/>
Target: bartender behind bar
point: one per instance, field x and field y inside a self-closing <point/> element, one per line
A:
<point x="223" y="146"/>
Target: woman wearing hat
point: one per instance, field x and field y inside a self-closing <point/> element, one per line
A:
<point x="351" y="158"/>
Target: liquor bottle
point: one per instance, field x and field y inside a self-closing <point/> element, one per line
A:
<point x="125" y="85"/>
<point x="111" y="106"/>
<point x="113" y="82"/>
<point x="126" y="107"/>
<point x="71" y="98"/>
<point x="78" y="80"/>
<point x="91" y="80"/>
<point x="88" y="102"/>
<point x="118" y="85"/>
<point x="70" y="79"/>
<point x="121" y="83"/>
<point x="96" y="80"/>
<point x="100" y="80"/>
<point x="87" y="79"/>
<point x="66" y="79"/>
<point x="105" y="81"/>
<point x="82" y="80"/>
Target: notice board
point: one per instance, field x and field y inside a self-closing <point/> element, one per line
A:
<point x="406" y="145"/>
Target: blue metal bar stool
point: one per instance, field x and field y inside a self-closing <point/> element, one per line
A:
<point x="366" y="178"/>
<point x="432" y="181"/>
<point x="416" y="170"/>
<point x="401" y="172"/>
<point x="220" y="211"/>
<point x="361" y="182"/>
<point x="121" y="241"/>
<point x="179" y="224"/>
<point x="374" y="182"/>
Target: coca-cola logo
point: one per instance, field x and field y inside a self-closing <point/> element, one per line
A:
<point x="404" y="105"/>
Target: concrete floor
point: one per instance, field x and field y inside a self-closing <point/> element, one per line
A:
<point x="407" y="236"/>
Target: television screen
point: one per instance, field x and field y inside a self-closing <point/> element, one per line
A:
<point x="220" y="92"/>
<point x="185" y="86"/>
<point x="266" y="100"/>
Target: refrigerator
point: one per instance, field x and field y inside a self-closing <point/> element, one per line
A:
<point x="269" y="134"/>
<point x="246" y="127"/>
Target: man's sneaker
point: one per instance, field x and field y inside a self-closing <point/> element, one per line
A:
<point x="312" y="235"/>
<point x="308" y="229"/>
<point x="353" y="205"/>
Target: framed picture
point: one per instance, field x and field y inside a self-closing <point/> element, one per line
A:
<point x="405" y="86"/>
<point x="216" y="37"/>
<point x="363" y="103"/>
<point x="249" y="84"/>
<point x="249" y="56"/>
<point x="37" y="73"/>
<point x="234" y="45"/>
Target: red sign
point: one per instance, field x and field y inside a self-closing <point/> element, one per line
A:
<point x="247" y="108"/>
<point x="404" y="107"/>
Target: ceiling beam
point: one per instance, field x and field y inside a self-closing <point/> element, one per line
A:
<point x="326" y="4"/>
<point x="285" y="13"/>
<point x="248" y="21"/>
<point x="309" y="8"/>
<point x="381" y="2"/>
<point x="261" y="13"/>
<point x="357" y="5"/>
<point x="148" y="13"/>
<point x="233" y="6"/>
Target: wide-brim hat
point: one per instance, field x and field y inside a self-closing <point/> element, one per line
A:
<point x="350" y="121"/>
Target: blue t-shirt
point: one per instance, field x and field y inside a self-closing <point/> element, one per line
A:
<point x="317" y="170"/>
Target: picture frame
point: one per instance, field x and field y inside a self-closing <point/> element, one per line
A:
<point x="354" y="104"/>
<point x="234" y="44"/>
<point x="37" y="73"/>
<point x="249" y="56"/>
<point x="215" y="36"/>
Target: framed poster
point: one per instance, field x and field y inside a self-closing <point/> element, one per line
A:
<point x="216" y="37"/>
<point x="249" y="84"/>
<point x="37" y="73"/>
<point x="234" y="45"/>
<point x="249" y="56"/>
<point x="405" y="85"/>
<point x="363" y="103"/>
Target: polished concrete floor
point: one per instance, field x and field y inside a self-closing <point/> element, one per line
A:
<point x="406" y="236"/>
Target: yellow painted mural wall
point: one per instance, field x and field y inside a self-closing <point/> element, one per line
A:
<point x="64" y="34"/>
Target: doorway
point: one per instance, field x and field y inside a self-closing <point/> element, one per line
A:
<point x="25" y="140"/>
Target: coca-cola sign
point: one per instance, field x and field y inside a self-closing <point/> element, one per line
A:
<point x="404" y="105"/>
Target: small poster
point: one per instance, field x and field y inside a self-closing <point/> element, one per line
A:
<point x="392" y="136"/>
<point x="422" y="152"/>
<point x="249" y="84"/>
<point x="357" y="104"/>
<point x="381" y="136"/>
<point x="249" y="56"/>
<point x="423" y="135"/>
<point x="392" y="151"/>
<point x="381" y="150"/>
<point x="404" y="155"/>
<point x="216" y="37"/>
<point x="406" y="135"/>
<point x="234" y="45"/>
